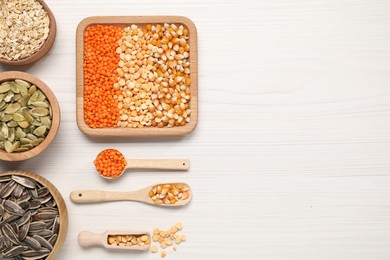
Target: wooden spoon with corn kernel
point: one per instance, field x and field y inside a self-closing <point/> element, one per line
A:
<point x="115" y="239"/>
<point x="115" y="158"/>
<point x="165" y="194"/>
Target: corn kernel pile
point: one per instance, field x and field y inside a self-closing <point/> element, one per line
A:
<point x="153" y="77"/>
<point x="167" y="238"/>
<point x="128" y="240"/>
<point x="169" y="193"/>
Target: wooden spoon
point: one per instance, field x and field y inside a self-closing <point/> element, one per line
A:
<point x="164" y="164"/>
<point x="46" y="45"/>
<point x="87" y="239"/>
<point x="142" y="195"/>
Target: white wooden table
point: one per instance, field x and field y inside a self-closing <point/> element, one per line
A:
<point x="291" y="156"/>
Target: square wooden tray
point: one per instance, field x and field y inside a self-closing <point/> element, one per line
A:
<point x="123" y="21"/>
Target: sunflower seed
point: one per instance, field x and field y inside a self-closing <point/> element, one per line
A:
<point x="23" y="220"/>
<point x="43" y="242"/>
<point x="17" y="250"/>
<point x="32" y="243"/>
<point x="18" y="191"/>
<point x="26" y="182"/>
<point x="13" y="208"/>
<point x="7" y="189"/>
<point x="52" y="240"/>
<point x="32" y="254"/>
<point x="9" y="233"/>
<point x="23" y="230"/>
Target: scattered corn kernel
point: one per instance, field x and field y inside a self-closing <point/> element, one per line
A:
<point x="163" y="254"/>
<point x="154" y="249"/>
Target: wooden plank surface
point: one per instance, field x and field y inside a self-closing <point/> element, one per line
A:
<point x="290" y="158"/>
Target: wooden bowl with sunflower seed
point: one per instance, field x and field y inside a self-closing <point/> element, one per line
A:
<point x="33" y="217"/>
<point x="29" y="116"/>
<point x="28" y="31"/>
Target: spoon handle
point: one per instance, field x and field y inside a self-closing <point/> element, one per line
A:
<point x="95" y="196"/>
<point x="180" y="165"/>
<point x="89" y="239"/>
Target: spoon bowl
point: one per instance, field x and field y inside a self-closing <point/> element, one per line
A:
<point x="142" y="195"/>
<point x="88" y="239"/>
<point x="160" y="164"/>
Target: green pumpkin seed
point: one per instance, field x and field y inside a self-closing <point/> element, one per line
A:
<point x="33" y="98"/>
<point x="22" y="149"/>
<point x="32" y="89"/>
<point x="14" y="87"/>
<point x="12" y="108"/>
<point x="6" y="118"/>
<point x="28" y="117"/>
<point x="9" y="96"/>
<point x="1" y="97"/>
<point x="22" y="83"/>
<point x="3" y="105"/>
<point x="11" y="135"/>
<point x="38" y="141"/>
<point x="31" y="137"/>
<point x="24" y="141"/>
<point x="40" y="104"/>
<point x="39" y="112"/>
<point x="8" y="146"/>
<point x="41" y="96"/>
<point x="23" y="124"/>
<point x="40" y="131"/>
<point x="5" y="87"/>
<point x="19" y="133"/>
<point x="29" y="146"/>
<point x="17" y="97"/>
<point x="24" y="100"/>
<point x="4" y="130"/>
<point x="12" y="124"/>
<point x="18" y="117"/>
<point x="46" y="121"/>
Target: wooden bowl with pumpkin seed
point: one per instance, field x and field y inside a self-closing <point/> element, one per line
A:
<point x="29" y="116"/>
<point x="33" y="217"/>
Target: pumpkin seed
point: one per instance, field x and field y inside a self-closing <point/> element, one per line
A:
<point x="5" y="87"/>
<point x="13" y="124"/>
<point x="22" y="83"/>
<point x="12" y="108"/>
<point x="40" y="131"/>
<point x="32" y="89"/>
<point x="18" y="117"/>
<point x="23" y="124"/>
<point x="6" y="118"/>
<point x="14" y="87"/>
<point x="39" y="112"/>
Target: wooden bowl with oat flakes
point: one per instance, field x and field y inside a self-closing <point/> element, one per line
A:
<point x="31" y="45"/>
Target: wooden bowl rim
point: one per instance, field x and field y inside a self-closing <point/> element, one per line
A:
<point x="62" y="209"/>
<point x="135" y="132"/>
<point x="10" y="75"/>
<point x="46" y="46"/>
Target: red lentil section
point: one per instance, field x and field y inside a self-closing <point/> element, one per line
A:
<point x="100" y="64"/>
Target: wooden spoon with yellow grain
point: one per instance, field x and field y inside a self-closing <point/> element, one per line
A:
<point x="164" y="194"/>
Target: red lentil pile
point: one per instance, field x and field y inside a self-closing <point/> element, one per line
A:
<point x="137" y="76"/>
<point x="100" y="64"/>
<point x="110" y="163"/>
